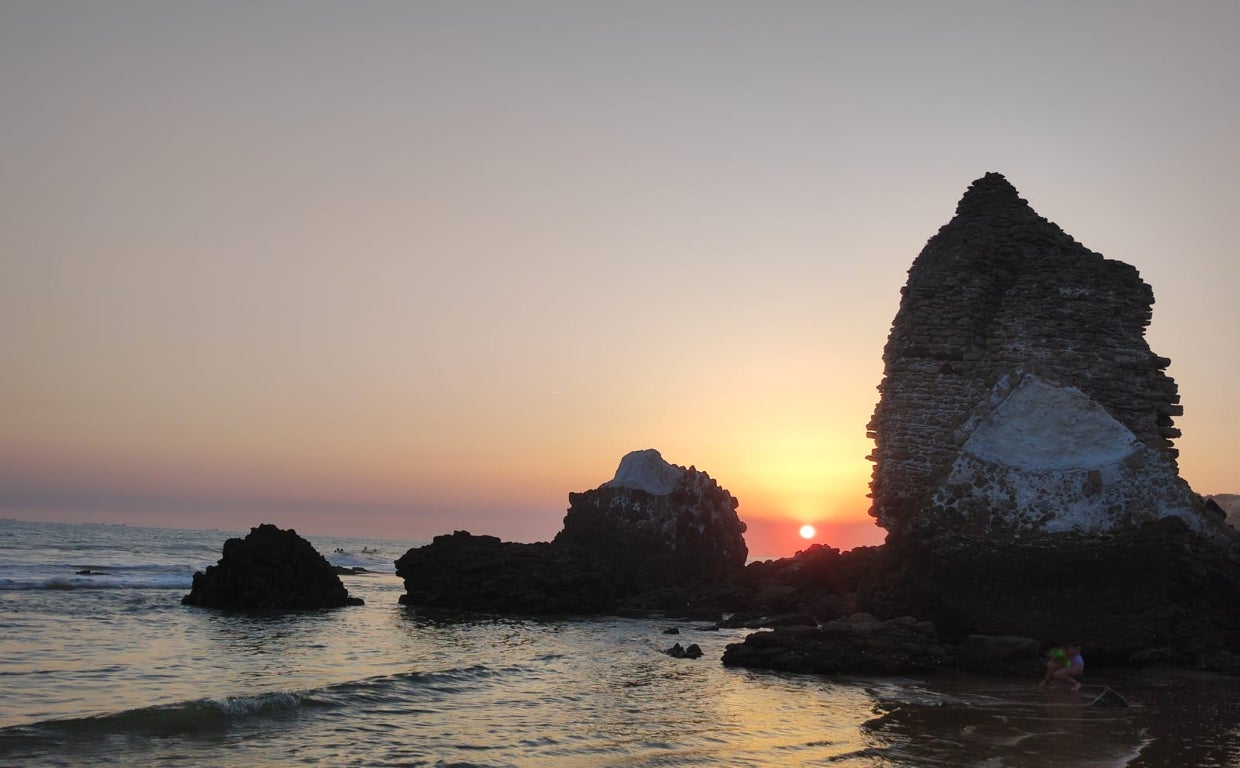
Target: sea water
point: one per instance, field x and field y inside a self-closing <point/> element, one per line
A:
<point x="108" y="668"/>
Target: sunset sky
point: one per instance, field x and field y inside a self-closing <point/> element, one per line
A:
<point x="400" y="268"/>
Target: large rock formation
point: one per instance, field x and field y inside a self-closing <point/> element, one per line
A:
<point x="1023" y="462"/>
<point x="657" y="536"/>
<point x="656" y="524"/>
<point x="270" y="568"/>
<point x="1019" y="392"/>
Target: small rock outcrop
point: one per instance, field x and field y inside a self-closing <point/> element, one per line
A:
<point x="481" y="573"/>
<point x="857" y="644"/>
<point x="270" y="568"/>
<point x="656" y="536"/>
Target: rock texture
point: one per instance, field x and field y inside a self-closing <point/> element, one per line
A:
<point x="1019" y="392"/>
<point x="270" y="568"/>
<point x="656" y="524"/>
<point x="656" y="536"/>
<point x="1024" y="465"/>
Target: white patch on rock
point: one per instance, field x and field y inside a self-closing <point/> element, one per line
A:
<point x="1049" y="458"/>
<point x="646" y="471"/>
<point x="1041" y="427"/>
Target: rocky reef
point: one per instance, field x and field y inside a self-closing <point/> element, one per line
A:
<point x="656" y="536"/>
<point x="270" y="568"/>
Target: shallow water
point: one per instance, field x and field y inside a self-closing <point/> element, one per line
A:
<point x="114" y="671"/>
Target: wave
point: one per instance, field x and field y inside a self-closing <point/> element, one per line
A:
<point x="128" y="581"/>
<point x="209" y="716"/>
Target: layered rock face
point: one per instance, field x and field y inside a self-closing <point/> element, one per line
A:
<point x="270" y="568"/>
<point x="656" y="524"/>
<point x="1024" y="462"/>
<point x="1019" y="392"/>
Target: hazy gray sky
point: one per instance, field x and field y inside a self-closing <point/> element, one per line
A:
<point x="399" y="268"/>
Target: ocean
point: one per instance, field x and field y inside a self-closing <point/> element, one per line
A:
<point x="110" y="669"/>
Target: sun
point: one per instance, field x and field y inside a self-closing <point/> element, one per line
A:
<point x="807" y="531"/>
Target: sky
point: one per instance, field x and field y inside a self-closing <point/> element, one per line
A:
<point x="403" y="268"/>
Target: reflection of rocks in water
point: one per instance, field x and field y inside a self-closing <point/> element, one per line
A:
<point x="1177" y="719"/>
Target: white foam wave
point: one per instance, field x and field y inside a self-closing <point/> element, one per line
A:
<point x="147" y="581"/>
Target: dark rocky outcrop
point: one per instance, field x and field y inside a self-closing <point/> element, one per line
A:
<point x="693" y="651"/>
<point x="481" y="573"/>
<point x="270" y="568"/>
<point x="656" y="524"/>
<point x="656" y="536"/>
<point x="858" y="644"/>
<point x="1157" y="592"/>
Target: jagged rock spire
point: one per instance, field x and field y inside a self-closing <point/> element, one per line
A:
<point x="997" y="296"/>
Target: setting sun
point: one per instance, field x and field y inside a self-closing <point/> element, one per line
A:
<point x="807" y="531"/>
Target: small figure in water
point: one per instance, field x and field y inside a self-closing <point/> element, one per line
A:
<point x="1066" y="663"/>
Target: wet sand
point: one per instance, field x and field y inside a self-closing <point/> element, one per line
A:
<point x="1175" y="718"/>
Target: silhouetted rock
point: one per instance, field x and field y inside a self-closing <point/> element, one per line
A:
<point x="270" y="569"/>
<point x="858" y="644"/>
<point x="819" y="581"/>
<point x="657" y="536"/>
<point x="481" y="573"/>
<point x="694" y="651"/>
<point x="655" y="525"/>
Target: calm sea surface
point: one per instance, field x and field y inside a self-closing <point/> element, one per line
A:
<point x="112" y="670"/>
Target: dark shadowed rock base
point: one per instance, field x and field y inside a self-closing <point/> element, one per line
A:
<point x="1156" y="593"/>
<point x="270" y="568"/>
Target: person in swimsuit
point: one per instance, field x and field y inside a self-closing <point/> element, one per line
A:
<point x="1066" y="663"/>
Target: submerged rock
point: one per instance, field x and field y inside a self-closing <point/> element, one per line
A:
<point x="270" y="568"/>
